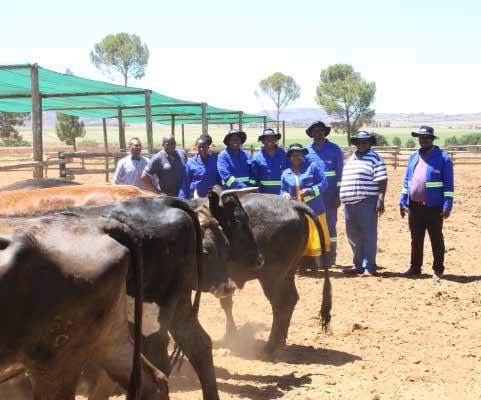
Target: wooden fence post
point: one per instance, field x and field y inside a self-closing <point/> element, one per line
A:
<point x="283" y="133"/>
<point x="37" y="141"/>
<point x="148" y="123"/>
<point x="172" y="125"/>
<point x="106" y="149"/>
<point x="183" y="135"/>
<point x="122" y="144"/>
<point x="62" y="168"/>
<point x="205" y="126"/>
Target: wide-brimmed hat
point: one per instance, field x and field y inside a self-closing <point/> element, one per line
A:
<point x="242" y="135"/>
<point x="364" y="135"/>
<point x="269" y="132"/>
<point x="296" y="147"/>
<point x="318" y="124"/>
<point x="424" y="131"/>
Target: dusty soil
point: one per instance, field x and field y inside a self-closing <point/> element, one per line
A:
<point x="391" y="337"/>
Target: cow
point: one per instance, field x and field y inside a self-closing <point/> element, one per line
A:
<point x="64" y="305"/>
<point x="280" y="229"/>
<point x="154" y="278"/>
<point x="30" y="184"/>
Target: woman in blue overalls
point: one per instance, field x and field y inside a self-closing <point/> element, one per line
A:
<point x="304" y="181"/>
<point x="200" y="171"/>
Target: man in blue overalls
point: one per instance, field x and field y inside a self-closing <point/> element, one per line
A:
<point x="330" y="157"/>
<point x="233" y="161"/>
<point x="268" y="164"/>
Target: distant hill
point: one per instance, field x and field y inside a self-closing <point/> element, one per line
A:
<point x="302" y="116"/>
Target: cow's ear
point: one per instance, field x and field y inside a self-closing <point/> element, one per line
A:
<point x="230" y="201"/>
<point x="214" y="203"/>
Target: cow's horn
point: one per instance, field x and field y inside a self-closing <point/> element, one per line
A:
<point x="241" y="192"/>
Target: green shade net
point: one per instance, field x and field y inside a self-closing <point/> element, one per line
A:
<point x="17" y="82"/>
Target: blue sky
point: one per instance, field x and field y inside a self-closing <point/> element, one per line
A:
<point x="424" y="56"/>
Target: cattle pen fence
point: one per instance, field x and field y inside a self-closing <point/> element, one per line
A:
<point x="68" y="164"/>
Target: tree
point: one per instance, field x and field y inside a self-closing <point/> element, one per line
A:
<point x="8" y="121"/>
<point x="281" y="89"/>
<point x="345" y="95"/>
<point x="410" y="144"/>
<point x="68" y="128"/>
<point x="396" y="141"/>
<point x="122" y="53"/>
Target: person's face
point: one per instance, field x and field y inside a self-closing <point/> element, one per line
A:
<point x="203" y="148"/>
<point x="234" y="142"/>
<point x="425" y="141"/>
<point x="169" y="146"/>
<point x="318" y="134"/>
<point x="363" y="145"/>
<point x="297" y="158"/>
<point x="135" y="147"/>
<point x="269" y="142"/>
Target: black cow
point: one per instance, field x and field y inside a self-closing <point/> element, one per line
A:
<point x="63" y="304"/>
<point x="30" y="184"/>
<point x="280" y="229"/>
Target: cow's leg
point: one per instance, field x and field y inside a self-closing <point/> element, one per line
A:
<point x="227" y="304"/>
<point x="59" y="384"/>
<point x="196" y="345"/>
<point x="283" y="298"/>
<point x="103" y="387"/>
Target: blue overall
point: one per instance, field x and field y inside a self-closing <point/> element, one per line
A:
<point x="332" y="158"/>
<point x="266" y="171"/>
<point x="199" y="177"/>
<point x="234" y="169"/>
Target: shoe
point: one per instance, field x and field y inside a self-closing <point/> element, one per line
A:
<point x="437" y="276"/>
<point x="412" y="272"/>
<point x="352" y="271"/>
<point x="369" y="273"/>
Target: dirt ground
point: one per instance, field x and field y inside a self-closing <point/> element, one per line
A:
<point x="391" y="337"/>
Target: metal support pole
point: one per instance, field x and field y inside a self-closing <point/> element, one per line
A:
<point x="183" y="136"/>
<point x="122" y="144"/>
<point x="240" y="120"/>
<point x="148" y="123"/>
<point x="284" y="133"/>
<point x="231" y="125"/>
<point x="172" y="125"/>
<point x="205" y="128"/>
<point x="36" y="121"/>
<point x="106" y="149"/>
<point x="265" y="122"/>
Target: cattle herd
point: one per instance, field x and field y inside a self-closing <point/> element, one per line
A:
<point x="70" y="254"/>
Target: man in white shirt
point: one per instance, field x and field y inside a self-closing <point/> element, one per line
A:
<point x="129" y="169"/>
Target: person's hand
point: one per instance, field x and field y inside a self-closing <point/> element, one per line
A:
<point x="337" y="202"/>
<point x="380" y="207"/>
<point x="403" y="211"/>
<point x="445" y="214"/>
<point x="287" y="196"/>
<point x="303" y="193"/>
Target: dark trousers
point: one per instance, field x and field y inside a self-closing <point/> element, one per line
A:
<point x="422" y="219"/>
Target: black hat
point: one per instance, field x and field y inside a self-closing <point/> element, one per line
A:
<point x="424" y="131"/>
<point x="297" y="147"/>
<point x="242" y="135"/>
<point x="364" y="135"/>
<point x="269" y="132"/>
<point x="317" y="124"/>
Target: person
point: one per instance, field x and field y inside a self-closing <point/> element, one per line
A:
<point x="268" y="164"/>
<point x="200" y="172"/>
<point x="330" y="154"/>
<point x="129" y="169"/>
<point x="363" y="188"/>
<point x="233" y="161"/>
<point x="167" y="167"/>
<point x="304" y="181"/>
<point x="427" y="197"/>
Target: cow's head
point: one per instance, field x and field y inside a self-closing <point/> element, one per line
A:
<point x="215" y="247"/>
<point x="228" y="210"/>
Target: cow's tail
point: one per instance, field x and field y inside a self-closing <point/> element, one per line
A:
<point x="177" y="355"/>
<point x="325" y="311"/>
<point x="125" y="235"/>
<point x="136" y="374"/>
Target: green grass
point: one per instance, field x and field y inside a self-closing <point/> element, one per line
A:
<point x="293" y="134"/>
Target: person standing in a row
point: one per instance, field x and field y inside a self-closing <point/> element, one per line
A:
<point x="363" y="187"/>
<point x="330" y="156"/>
<point x="427" y="197"/>
<point x="268" y="164"/>
<point x="167" y="167"/>
<point x="233" y="161"/>
<point x="129" y="169"/>
<point x="200" y="172"/>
